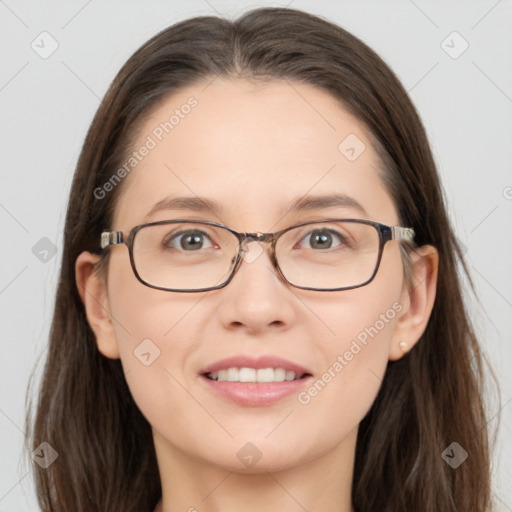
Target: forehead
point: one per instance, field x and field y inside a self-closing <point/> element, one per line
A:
<point x="254" y="148"/>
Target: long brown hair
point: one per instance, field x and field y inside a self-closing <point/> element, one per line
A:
<point x="428" y="399"/>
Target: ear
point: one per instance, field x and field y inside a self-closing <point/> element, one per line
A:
<point x="417" y="300"/>
<point x="94" y="294"/>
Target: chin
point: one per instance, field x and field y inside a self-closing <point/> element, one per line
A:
<point x="252" y="457"/>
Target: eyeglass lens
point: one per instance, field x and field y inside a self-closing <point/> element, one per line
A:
<point x="322" y="255"/>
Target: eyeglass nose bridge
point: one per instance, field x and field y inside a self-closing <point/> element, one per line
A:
<point x="244" y="240"/>
<point x="247" y="238"/>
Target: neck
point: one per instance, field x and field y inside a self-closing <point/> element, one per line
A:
<point x="192" y="485"/>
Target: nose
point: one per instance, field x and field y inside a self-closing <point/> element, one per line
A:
<point x="256" y="299"/>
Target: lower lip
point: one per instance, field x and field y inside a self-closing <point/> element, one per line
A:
<point x="256" y="394"/>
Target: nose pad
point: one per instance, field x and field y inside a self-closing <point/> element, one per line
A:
<point x="251" y="253"/>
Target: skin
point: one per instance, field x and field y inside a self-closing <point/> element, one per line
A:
<point x="254" y="148"/>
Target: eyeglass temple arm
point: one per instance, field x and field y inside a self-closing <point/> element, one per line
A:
<point x="109" y="238"/>
<point x="400" y="233"/>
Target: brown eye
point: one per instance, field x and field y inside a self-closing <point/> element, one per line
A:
<point x="322" y="239"/>
<point x="190" y="240"/>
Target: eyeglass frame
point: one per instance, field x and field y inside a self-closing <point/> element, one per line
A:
<point x="386" y="234"/>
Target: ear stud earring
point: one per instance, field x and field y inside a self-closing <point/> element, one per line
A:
<point x="404" y="347"/>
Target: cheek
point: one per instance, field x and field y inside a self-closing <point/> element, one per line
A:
<point x="155" y="336"/>
<point x="140" y="312"/>
<point x="355" y="360"/>
<point x="355" y="347"/>
<point x="155" y="348"/>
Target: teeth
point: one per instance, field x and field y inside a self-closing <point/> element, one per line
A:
<point x="244" y="375"/>
<point x="253" y="375"/>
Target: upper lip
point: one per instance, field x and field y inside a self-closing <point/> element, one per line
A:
<point x="243" y="361"/>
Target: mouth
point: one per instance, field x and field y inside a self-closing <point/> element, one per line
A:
<point x="255" y="381"/>
<point x="255" y="375"/>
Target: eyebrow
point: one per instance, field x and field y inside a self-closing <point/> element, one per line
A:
<point x="314" y="203"/>
<point x="305" y="203"/>
<point x="198" y="204"/>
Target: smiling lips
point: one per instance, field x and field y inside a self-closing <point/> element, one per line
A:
<point x="253" y="381"/>
<point x="253" y="375"/>
<point x="269" y="362"/>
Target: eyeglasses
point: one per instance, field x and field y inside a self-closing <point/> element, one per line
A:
<point x="195" y="256"/>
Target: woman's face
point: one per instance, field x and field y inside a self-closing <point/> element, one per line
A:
<point x="254" y="149"/>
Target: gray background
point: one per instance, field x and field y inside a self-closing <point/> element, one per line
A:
<point x="47" y="104"/>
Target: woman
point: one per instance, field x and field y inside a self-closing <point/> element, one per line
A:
<point x="259" y="305"/>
